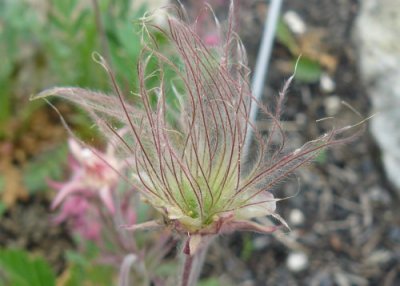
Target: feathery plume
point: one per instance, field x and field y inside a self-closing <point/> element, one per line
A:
<point x="185" y="137"/>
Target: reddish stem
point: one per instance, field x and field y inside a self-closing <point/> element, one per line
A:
<point x="187" y="270"/>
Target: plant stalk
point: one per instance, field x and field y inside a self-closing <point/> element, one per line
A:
<point x="187" y="270"/>
<point x="193" y="264"/>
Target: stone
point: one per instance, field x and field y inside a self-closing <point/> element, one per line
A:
<point x="376" y="35"/>
<point x="332" y="105"/>
<point x="294" y="22"/>
<point x="297" y="261"/>
<point x="296" y="217"/>
<point x="326" y="83"/>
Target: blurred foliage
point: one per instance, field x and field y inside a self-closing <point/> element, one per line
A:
<point x="2" y="208"/>
<point x="17" y="268"/>
<point x="82" y="271"/>
<point x="308" y="70"/>
<point x="248" y="247"/>
<point x="44" y="166"/>
<point x="50" y="42"/>
<point x="76" y="31"/>
<point x="286" y="37"/>
<point x="90" y="274"/>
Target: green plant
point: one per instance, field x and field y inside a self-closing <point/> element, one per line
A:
<point x="307" y="70"/>
<point x="192" y="170"/>
<point x="18" y="268"/>
<point x="54" y="43"/>
<point x="18" y="27"/>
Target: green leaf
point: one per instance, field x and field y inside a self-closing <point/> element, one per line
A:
<point x="22" y="270"/>
<point x="100" y="275"/>
<point x="83" y="271"/>
<point x="307" y="70"/>
<point x="286" y="38"/>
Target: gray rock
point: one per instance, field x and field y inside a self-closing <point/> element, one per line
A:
<point x="377" y="32"/>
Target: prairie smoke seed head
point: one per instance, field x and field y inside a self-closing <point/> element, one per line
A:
<point x="184" y="144"/>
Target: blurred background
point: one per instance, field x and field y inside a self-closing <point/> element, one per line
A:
<point x="345" y="220"/>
